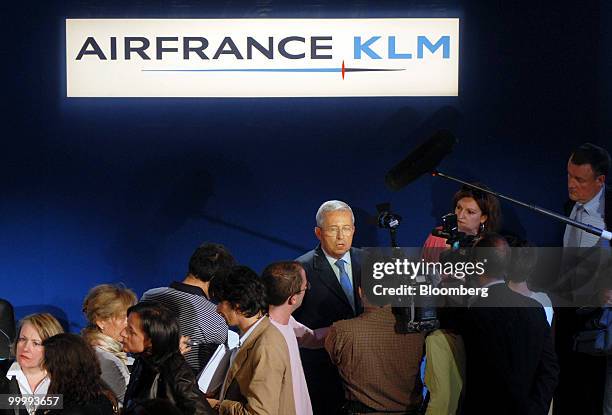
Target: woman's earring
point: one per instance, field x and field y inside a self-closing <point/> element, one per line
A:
<point x="482" y="227"/>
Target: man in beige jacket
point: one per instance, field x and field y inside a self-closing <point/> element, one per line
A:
<point x="259" y="377"/>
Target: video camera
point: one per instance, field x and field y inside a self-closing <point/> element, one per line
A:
<point x="450" y="232"/>
<point x="419" y="315"/>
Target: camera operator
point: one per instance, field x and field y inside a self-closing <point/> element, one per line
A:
<point x="476" y="212"/>
<point x="378" y="366"/>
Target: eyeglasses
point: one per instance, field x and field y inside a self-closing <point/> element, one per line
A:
<point x="333" y="230"/>
<point x="24" y="340"/>
<point x="305" y="289"/>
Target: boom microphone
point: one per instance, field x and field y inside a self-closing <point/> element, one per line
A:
<point x="424" y="159"/>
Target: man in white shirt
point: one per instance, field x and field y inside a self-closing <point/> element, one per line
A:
<point x="591" y="203"/>
<point x="587" y="170"/>
<point x="286" y="285"/>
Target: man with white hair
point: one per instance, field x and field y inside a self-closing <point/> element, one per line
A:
<point x="334" y="273"/>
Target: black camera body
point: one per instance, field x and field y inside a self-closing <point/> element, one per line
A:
<point x="389" y="220"/>
<point x="450" y="232"/>
<point x="420" y="315"/>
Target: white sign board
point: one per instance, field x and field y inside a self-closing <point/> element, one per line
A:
<point x="262" y="57"/>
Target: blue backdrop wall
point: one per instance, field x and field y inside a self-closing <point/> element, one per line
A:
<point x="109" y="190"/>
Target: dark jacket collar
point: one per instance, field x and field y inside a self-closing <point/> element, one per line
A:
<point x="328" y="277"/>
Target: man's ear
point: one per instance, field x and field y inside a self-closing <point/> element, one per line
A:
<point x="601" y="180"/>
<point x="292" y="299"/>
<point x="317" y="232"/>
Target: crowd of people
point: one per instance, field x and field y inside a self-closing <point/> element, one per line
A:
<point x="310" y="341"/>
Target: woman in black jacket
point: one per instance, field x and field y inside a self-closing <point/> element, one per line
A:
<point x="160" y="371"/>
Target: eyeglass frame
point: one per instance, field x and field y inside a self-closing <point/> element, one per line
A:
<point x="344" y="230"/>
<point x="305" y="289"/>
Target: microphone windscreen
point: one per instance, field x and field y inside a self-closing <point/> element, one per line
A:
<point x="424" y="159"/>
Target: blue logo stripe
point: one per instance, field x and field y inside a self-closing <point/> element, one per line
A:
<point x="248" y="70"/>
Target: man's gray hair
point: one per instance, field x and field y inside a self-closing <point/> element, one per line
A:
<point x="331" y="206"/>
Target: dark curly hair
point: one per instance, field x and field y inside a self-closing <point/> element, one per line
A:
<point x="243" y="289"/>
<point x="74" y="370"/>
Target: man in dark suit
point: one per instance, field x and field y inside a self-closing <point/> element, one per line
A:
<point x="590" y="201"/>
<point x="334" y="274"/>
<point x="511" y="365"/>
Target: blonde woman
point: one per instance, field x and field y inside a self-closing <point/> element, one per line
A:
<point x="26" y="374"/>
<point x="105" y="308"/>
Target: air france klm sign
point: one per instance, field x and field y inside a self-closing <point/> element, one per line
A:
<point x="261" y="57"/>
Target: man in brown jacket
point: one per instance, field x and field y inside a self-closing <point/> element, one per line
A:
<point x="259" y="377"/>
<point x="379" y="368"/>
